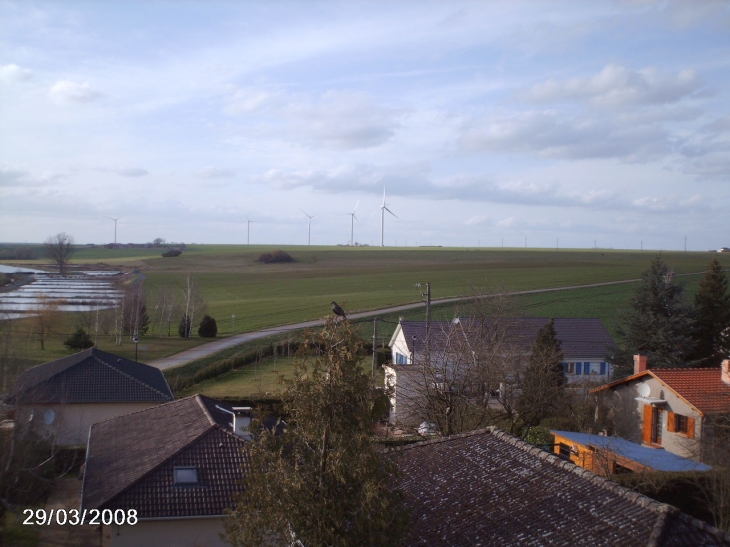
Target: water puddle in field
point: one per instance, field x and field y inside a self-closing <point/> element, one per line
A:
<point x="78" y="292"/>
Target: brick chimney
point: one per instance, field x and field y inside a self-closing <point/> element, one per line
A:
<point x="726" y="371"/>
<point x="640" y="363"/>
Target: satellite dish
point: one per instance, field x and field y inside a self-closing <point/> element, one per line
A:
<point x="49" y="416"/>
<point x="643" y="389"/>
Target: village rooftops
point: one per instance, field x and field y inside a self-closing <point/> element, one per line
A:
<point x="180" y="459"/>
<point x="487" y="487"/>
<point x="579" y="337"/>
<point x="90" y="376"/>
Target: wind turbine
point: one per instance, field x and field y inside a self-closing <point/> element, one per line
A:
<point x="248" y="231"/>
<point x="383" y="208"/>
<point x="309" y="227"/>
<point x="352" y="224"/>
<point x="115" y="228"/>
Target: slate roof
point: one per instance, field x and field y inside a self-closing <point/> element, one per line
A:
<point x="579" y="337"/>
<point x="489" y="488"/>
<point x="130" y="460"/>
<point x="702" y="388"/>
<point x="657" y="459"/>
<point x="91" y="376"/>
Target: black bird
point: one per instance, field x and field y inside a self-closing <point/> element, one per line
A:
<point x="338" y="310"/>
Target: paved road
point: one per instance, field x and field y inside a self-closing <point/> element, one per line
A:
<point x="218" y="345"/>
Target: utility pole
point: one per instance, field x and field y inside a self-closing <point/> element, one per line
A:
<point x="685" y="244"/>
<point x="428" y="309"/>
<point x="375" y="349"/>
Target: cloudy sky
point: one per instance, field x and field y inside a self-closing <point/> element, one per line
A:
<point x="488" y="123"/>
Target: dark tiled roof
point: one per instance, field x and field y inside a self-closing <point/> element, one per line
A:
<point x="130" y="460"/>
<point x="702" y="388"/>
<point x="579" y="337"/>
<point x="489" y="488"/>
<point x="91" y="376"/>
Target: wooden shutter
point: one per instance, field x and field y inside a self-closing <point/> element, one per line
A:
<point x="646" y="430"/>
<point x="671" y="425"/>
<point x="690" y="428"/>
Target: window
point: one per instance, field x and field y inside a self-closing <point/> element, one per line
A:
<point x="564" y="451"/>
<point x="401" y="359"/>
<point x="569" y="368"/>
<point x="185" y="475"/>
<point x="680" y="423"/>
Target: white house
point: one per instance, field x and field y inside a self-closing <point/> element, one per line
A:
<point x="585" y="344"/>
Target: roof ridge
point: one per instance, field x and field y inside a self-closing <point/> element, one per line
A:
<point x="199" y="400"/>
<point x="441" y="439"/>
<point x="124" y="373"/>
<point x="160" y="405"/>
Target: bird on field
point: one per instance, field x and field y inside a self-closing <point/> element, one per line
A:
<point x="338" y="310"/>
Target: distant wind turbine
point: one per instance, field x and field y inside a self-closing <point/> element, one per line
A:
<point x="115" y="228"/>
<point x="352" y="224"/>
<point x="383" y="208"/>
<point x="309" y="227"/>
<point x="248" y="231"/>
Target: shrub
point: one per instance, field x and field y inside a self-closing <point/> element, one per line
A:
<point x="208" y="327"/>
<point x="172" y="252"/>
<point x="79" y="340"/>
<point x="276" y="256"/>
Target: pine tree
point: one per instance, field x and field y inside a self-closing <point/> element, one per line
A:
<point x="79" y="340"/>
<point x="322" y="482"/>
<point x="658" y="325"/>
<point x="542" y="383"/>
<point x="208" y="327"/>
<point x="712" y="316"/>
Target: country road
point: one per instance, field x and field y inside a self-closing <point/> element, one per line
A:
<point x="212" y="347"/>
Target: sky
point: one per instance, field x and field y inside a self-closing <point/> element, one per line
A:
<point x="540" y="124"/>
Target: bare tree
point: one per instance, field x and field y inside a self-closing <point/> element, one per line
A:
<point x="45" y="316"/>
<point x="59" y="249"/>
<point x="194" y="304"/>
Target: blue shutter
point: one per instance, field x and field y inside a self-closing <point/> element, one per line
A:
<point x="563" y="365"/>
<point x="603" y="368"/>
<point x="577" y="368"/>
<point x="586" y="368"/>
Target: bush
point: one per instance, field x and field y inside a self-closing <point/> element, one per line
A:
<point x="276" y="256"/>
<point x="79" y="340"/>
<point x="172" y="252"/>
<point x="208" y="327"/>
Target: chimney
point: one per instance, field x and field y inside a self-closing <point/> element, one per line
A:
<point x="726" y="371"/>
<point x="640" y="363"/>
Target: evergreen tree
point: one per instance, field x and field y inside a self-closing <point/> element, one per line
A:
<point x="323" y="481"/>
<point x="208" y="327"/>
<point x="658" y="325"/>
<point x="79" y="340"/>
<point x="542" y="383"/>
<point x="712" y="316"/>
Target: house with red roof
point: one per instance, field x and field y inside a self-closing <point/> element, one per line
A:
<point x="669" y="408"/>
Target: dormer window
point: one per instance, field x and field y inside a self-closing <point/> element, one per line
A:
<point x="185" y="475"/>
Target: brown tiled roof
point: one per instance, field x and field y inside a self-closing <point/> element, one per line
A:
<point x="579" y="337"/>
<point x="489" y="488"/>
<point x="91" y="376"/>
<point x="702" y="388"/>
<point x="130" y="460"/>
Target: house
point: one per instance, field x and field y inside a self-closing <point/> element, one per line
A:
<point x="584" y="342"/>
<point x="670" y="408"/>
<point x="487" y="487"/>
<point x="61" y="399"/>
<point x="178" y="465"/>
<point x="606" y="455"/>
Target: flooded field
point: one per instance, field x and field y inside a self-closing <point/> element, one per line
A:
<point x="78" y="292"/>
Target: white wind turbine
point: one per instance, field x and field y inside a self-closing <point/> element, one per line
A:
<point x="383" y="208"/>
<point x="309" y="227"/>
<point x="248" y="231"/>
<point x="115" y="228"/>
<point x="352" y="224"/>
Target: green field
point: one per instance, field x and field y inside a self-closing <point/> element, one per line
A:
<point x="233" y="282"/>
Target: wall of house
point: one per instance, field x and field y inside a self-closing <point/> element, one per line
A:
<point x="399" y="346"/>
<point x="580" y="455"/>
<point x="594" y="364"/>
<point x="676" y="443"/>
<point x="406" y="401"/>
<point x="196" y="532"/>
<point x="71" y="423"/>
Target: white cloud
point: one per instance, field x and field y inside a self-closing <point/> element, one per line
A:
<point x="616" y="85"/>
<point x="479" y="219"/>
<point x="65" y="92"/>
<point x="215" y="173"/>
<point x="672" y="203"/>
<point x="14" y="73"/>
